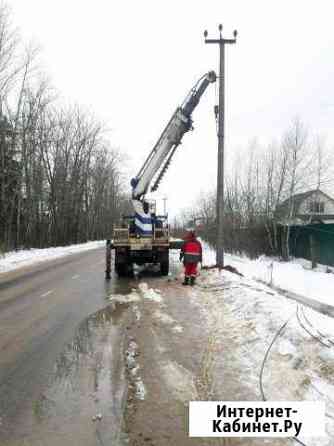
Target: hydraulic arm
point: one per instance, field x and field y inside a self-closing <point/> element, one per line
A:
<point x="160" y="157"/>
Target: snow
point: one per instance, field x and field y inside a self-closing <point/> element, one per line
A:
<point x="18" y="259"/>
<point x="244" y="315"/>
<point x="285" y="347"/>
<point x="149" y="293"/>
<point x="177" y="329"/>
<point x="126" y="298"/>
<point x="133" y="367"/>
<point x="294" y="276"/>
<point x="327" y="355"/>
<point x="142" y="293"/>
<point x="243" y="318"/>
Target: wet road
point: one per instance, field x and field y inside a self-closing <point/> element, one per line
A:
<point x="53" y="355"/>
<point x="67" y="374"/>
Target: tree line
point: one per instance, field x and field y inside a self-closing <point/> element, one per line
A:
<point x="60" y="179"/>
<point x="257" y="183"/>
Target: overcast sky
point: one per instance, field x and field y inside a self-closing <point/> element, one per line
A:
<point x="133" y="62"/>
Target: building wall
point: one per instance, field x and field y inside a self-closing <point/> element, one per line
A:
<point x="316" y="196"/>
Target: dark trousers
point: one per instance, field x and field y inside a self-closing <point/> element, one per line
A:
<point x="190" y="269"/>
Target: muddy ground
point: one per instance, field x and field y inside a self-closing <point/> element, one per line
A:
<point x="183" y="356"/>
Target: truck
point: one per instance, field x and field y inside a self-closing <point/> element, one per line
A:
<point x="144" y="237"/>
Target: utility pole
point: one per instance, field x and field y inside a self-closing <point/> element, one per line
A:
<point x="221" y="127"/>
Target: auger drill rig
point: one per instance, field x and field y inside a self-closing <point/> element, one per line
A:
<point x="144" y="237"/>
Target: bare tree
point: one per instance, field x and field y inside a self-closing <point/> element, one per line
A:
<point x="259" y="182"/>
<point x="295" y="149"/>
<point x="60" y="181"/>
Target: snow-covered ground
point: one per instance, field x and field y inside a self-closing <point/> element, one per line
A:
<point x="295" y="276"/>
<point x="300" y="365"/>
<point x="244" y="317"/>
<point x="18" y="259"/>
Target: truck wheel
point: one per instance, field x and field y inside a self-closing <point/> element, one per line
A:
<point x="121" y="270"/>
<point x="164" y="267"/>
<point x="121" y="263"/>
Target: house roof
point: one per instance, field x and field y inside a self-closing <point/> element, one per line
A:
<point x="297" y="199"/>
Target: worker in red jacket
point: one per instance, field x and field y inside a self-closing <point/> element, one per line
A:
<point x="191" y="254"/>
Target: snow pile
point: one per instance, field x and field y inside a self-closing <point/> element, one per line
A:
<point x="290" y="276"/>
<point x="136" y="295"/>
<point x="177" y="329"/>
<point x="17" y="259"/>
<point x="149" y="293"/>
<point x="133" y="368"/>
<point x="125" y="298"/>
<point x="307" y="264"/>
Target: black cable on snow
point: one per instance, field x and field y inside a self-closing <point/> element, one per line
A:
<point x="322" y="335"/>
<point x="308" y="331"/>
<point x="267" y="354"/>
<point x="277" y="335"/>
<point x="298" y="441"/>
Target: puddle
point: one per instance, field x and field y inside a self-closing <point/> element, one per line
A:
<point x="83" y="404"/>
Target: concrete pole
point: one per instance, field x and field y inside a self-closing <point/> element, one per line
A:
<point x="220" y="169"/>
<point x="221" y="133"/>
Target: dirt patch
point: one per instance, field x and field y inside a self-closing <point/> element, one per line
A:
<point x="229" y="268"/>
<point x="165" y="366"/>
<point x="175" y="366"/>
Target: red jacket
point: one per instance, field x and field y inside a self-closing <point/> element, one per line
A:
<point x="191" y="251"/>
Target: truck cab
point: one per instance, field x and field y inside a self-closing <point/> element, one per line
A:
<point x="134" y="248"/>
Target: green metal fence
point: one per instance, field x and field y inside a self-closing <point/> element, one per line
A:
<point x="323" y="242"/>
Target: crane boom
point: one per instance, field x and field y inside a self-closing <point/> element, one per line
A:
<point x="161" y="154"/>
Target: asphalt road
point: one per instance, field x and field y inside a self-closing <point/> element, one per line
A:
<point x="40" y="310"/>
